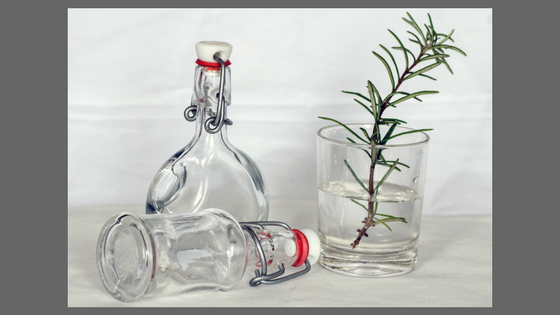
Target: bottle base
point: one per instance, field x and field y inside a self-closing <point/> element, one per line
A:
<point x="125" y="257"/>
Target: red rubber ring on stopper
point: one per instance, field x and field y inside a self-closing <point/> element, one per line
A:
<point x="211" y="64"/>
<point x="302" y="248"/>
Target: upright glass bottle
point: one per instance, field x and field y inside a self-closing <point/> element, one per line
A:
<point x="209" y="172"/>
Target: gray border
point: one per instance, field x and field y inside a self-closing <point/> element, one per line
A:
<point x="34" y="71"/>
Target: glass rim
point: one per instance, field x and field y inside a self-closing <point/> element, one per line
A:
<point x="348" y="143"/>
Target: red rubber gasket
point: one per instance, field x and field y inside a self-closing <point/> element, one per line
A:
<point x="302" y="248"/>
<point x="211" y="64"/>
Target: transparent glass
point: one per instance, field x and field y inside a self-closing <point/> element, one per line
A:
<point x="209" y="172"/>
<point x="168" y="254"/>
<point x="344" y="205"/>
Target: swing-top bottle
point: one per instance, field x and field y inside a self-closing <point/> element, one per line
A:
<point x="209" y="172"/>
<point x="169" y="254"/>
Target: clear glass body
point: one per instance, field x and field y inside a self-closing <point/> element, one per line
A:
<point x="209" y="172"/>
<point x="343" y="203"/>
<point x="143" y="256"/>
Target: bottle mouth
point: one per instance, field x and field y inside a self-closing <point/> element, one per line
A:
<point x="125" y="257"/>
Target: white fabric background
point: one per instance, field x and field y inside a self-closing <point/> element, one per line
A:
<point x="130" y="74"/>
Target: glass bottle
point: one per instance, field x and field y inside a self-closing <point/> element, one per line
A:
<point x="142" y="256"/>
<point x="209" y="172"/>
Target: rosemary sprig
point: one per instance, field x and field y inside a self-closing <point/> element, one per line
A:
<point x="431" y="49"/>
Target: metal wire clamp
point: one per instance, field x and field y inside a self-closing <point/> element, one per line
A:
<point x="261" y="276"/>
<point x="217" y="120"/>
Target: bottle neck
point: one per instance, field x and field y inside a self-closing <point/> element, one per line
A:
<point x="206" y="95"/>
<point x="278" y="246"/>
<point x="201" y="134"/>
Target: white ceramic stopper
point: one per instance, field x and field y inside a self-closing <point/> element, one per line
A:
<point x="290" y="248"/>
<point x="314" y="245"/>
<point x="207" y="49"/>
